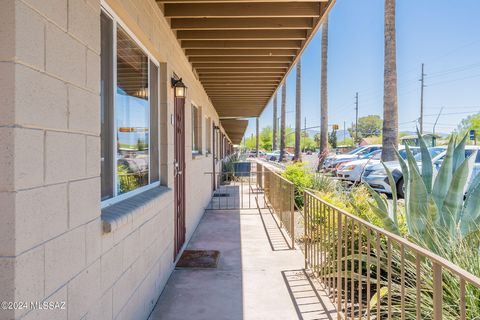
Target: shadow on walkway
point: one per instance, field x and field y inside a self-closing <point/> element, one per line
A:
<point x="308" y="302"/>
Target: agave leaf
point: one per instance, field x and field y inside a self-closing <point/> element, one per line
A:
<point x="444" y="177"/>
<point x="392" y="212"/>
<point x="459" y="153"/>
<point x="470" y="217"/>
<point x="418" y="198"/>
<point x="452" y="205"/>
<point x="427" y="167"/>
<point x="381" y="202"/>
<point x="378" y="296"/>
<point x="387" y="222"/>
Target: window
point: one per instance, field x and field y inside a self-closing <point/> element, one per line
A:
<point x="208" y="135"/>
<point x="129" y="113"/>
<point x="196" y="130"/>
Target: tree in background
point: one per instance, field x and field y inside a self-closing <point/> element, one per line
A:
<point x="307" y="143"/>
<point x="390" y="99"/>
<point x="324" y="98"/>
<point x="266" y="139"/>
<point x="332" y="138"/>
<point x="369" y="126"/>
<point x="298" y="111"/>
<point x="469" y="123"/>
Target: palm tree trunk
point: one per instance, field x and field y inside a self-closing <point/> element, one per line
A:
<point x="298" y="110"/>
<point x="390" y="103"/>
<point x="324" y="97"/>
<point x="274" y="133"/>
<point x="282" y="123"/>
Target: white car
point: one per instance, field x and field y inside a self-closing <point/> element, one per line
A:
<point x="352" y="170"/>
<point x="331" y="162"/>
<point x="376" y="176"/>
<point x="275" y="156"/>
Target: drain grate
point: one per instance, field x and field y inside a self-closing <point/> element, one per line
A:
<point x="221" y="195"/>
<point x="203" y="259"/>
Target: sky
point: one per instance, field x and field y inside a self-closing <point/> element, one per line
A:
<point x="442" y="34"/>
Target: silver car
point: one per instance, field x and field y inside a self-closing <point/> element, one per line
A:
<point x="376" y="176"/>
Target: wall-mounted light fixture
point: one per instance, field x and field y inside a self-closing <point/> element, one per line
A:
<point x="179" y="87"/>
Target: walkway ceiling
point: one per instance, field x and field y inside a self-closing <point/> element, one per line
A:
<point x="235" y="129"/>
<point x="241" y="50"/>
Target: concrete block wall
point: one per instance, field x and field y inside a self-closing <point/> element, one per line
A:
<point x="52" y="244"/>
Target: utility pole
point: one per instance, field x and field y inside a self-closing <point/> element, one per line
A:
<point x="344" y="132"/>
<point x="356" y="118"/>
<point x="421" y="99"/>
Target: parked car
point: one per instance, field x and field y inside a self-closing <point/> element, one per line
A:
<point x="275" y="155"/>
<point x="376" y="176"/>
<point x="469" y="150"/>
<point x="253" y="153"/>
<point x="331" y="162"/>
<point x="352" y="171"/>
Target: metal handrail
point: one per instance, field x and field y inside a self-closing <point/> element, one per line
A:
<point x="330" y="235"/>
<point x="279" y="192"/>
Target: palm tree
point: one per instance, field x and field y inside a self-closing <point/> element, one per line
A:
<point x="282" y="123"/>
<point x="324" y="97"/>
<point x="390" y="103"/>
<point x="298" y="110"/>
<point x="274" y="138"/>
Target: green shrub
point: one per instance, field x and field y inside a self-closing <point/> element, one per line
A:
<point x="301" y="178"/>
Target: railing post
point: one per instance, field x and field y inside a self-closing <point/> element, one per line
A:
<point x="292" y="216"/>
<point x="437" y="291"/>
<point x="305" y="227"/>
<point x="339" y="265"/>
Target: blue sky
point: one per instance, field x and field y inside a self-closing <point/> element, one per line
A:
<point x="443" y="34"/>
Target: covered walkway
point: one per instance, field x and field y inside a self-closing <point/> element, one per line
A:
<point x="258" y="275"/>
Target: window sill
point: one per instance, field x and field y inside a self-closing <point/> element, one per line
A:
<point x="197" y="155"/>
<point x="123" y="212"/>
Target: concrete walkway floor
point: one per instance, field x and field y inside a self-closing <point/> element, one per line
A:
<point x="258" y="275"/>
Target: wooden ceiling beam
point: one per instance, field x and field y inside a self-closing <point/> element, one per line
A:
<point x="241" y="52"/>
<point x="234" y="1"/>
<point x="226" y="59"/>
<point x="239" y="76"/>
<point x="241" y="44"/>
<point x="241" y="24"/>
<point x="196" y="35"/>
<point x="244" y="70"/>
<point x="244" y="10"/>
<point x="201" y="66"/>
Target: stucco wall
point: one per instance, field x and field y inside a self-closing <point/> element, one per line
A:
<point x="52" y="246"/>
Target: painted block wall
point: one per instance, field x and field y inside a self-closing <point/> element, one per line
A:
<point x="52" y="245"/>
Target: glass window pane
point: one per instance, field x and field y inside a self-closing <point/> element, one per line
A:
<point x="132" y="115"/>
<point x="106" y="112"/>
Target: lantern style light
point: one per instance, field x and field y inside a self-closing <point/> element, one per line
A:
<point x="179" y="87"/>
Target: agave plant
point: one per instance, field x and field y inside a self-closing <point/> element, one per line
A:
<point x="437" y="203"/>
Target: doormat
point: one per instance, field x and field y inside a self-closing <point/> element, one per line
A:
<point x="202" y="259"/>
<point x="220" y="195"/>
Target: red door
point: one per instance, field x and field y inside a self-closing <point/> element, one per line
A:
<point x="179" y="173"/>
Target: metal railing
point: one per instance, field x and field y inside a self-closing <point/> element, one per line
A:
<point x="279" y="192"/>
<point x="370" y="273"/>
<point x="236" y="190"/>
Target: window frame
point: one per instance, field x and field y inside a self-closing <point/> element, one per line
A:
<point x="117" y="22"/>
